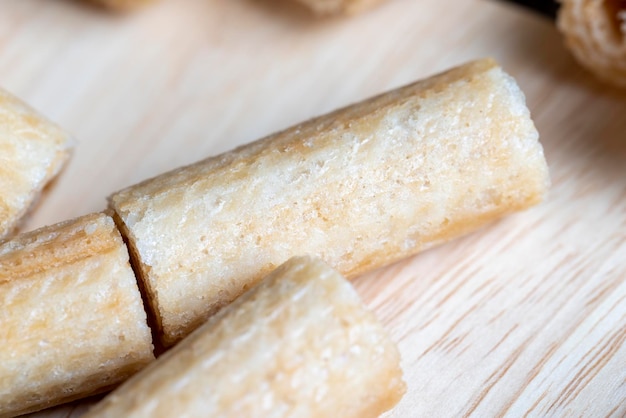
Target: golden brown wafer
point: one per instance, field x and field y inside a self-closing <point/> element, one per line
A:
<point x="300" y="344"/>
<point x="32" y="152"/>
<point x="72" y="322"/>
<point x="595" y="32"/>
<point x="361" y="187"/>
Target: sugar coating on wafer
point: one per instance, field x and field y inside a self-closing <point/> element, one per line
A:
<point x="300" y="344"/>
<point x="361" y="187"/>
<point x="595" y="32"/>
<point x="32" y="152"/>
<point x="72" y="322"/>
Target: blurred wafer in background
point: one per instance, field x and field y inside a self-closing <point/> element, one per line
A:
<point x="595" y="32"/>
<point x="332" y="7"/>
<point x="122" y="4"/>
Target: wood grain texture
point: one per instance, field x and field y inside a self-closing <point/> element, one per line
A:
<point x="526" y="317"/>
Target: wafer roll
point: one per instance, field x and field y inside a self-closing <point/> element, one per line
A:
<point x="333" y="7"/>
<point x="361" y="187"/>
<point x="595" y="32"/>
<point x="32" y="152"/>
<point x="300" y="344"/>
<point x="72" y="322"/>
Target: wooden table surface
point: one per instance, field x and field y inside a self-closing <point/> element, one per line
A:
<point x="525" y="317"/>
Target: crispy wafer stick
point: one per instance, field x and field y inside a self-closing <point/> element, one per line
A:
<point x="32" y="152"/>
<point x="72" y="322"/>
<point x="361" y="187"/>
<point x="300" y="344"/>
<point x="595" y="32"/>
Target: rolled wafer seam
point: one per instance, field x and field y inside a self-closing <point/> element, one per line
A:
<point x="72" y="322"/>
<point x="299" y="344"/>
<point x="33" y="151"/>
<point x="361" y="187"/>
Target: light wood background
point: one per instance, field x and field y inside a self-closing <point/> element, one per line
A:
<point x="524" y="318"/>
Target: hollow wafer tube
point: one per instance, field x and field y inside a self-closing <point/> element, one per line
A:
<point x="595" y="32"/>
<point x="33" y="151"/>
<point x="72" y="322"/>
<point x="300" y="344"/>
<point x="360" y="188"/>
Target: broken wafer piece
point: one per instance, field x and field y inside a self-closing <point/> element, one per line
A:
<point x="33" y="151"/>
<point x="334" y="7"/>
<point x="360" y="188"/>
<point x="595" y="32"/>
<point x="72" y="322"/>
<point x="300" y="344"/>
